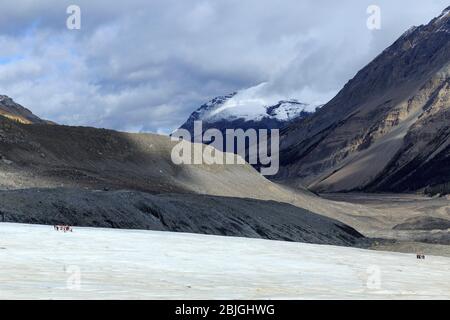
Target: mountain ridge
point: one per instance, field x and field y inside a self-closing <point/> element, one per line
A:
<point x="349" y="142"/>
<point x="14" y="111"/>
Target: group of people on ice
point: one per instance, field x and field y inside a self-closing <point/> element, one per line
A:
<point x="64" y="228"/>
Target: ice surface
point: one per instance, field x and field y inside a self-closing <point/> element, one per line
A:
<point x="38" y="262"/>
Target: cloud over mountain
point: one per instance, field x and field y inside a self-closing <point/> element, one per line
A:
<point x="144" y="66"/>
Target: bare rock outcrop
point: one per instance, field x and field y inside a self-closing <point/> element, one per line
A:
<point x="387" y="129"/>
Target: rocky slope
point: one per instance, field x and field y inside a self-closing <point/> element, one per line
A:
<point x="16" y="112"/>
<point x="387" y="129"/>
<point x="53" y="156"/>
<point x="38" y="155"/>
<point x="175" y="212"/>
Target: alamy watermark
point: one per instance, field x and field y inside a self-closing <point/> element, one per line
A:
<point x="74" y="279"/>
<point x="373" y="277"/>
<point x="258" y="147"/>
<point x="374" y="20"/>
<point x="73" y="21"/>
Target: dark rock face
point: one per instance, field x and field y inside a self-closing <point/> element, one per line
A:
<point x="387" y="129"/>
<point x="175" y="212"/>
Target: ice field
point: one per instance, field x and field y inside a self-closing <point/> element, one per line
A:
<point x="37" y="262"/>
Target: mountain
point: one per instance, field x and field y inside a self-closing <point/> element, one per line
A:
<point x="98" y="177"/>
<point x="14" y="111"/>
<point x="35" y="156"/>
<point x="247" y="109"/>
<point x="54" y="156"/>
<point x="388" y="128"/>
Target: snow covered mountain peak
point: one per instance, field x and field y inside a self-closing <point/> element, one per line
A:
<point x="249" y="108"/>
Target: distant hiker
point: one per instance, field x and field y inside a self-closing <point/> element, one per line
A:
<point x="64" y="228"/>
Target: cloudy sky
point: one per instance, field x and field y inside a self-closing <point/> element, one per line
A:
<point x="145" y="65"/>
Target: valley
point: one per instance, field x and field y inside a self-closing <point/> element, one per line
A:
<point x="359" y="208"/>
<point x="74" y="173"/>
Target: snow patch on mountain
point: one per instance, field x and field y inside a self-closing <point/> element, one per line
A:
<point x="444" y="14"/>
<point x="251" y="104"/>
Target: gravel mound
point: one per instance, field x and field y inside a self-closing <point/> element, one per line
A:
<point x="175" y="212"/>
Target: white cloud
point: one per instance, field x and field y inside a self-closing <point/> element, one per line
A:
<point x="144" y="65"/>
